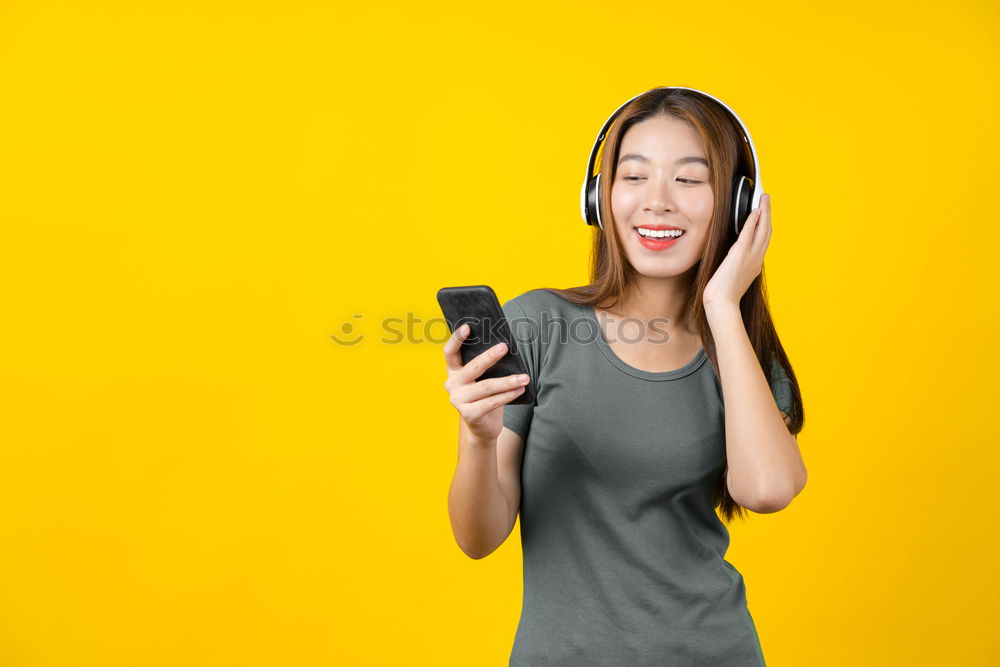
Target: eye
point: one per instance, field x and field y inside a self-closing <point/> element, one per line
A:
<point x="682" y="180"/>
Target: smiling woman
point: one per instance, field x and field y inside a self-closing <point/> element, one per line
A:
<point x="633" y="442"/>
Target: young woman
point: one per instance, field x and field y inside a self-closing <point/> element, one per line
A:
<point x="634" y="441"/>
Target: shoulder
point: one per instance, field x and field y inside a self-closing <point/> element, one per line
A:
<point x="524" y="312"/>
<point x="533" y="302"/>
<point x="537" y="316"/>
<point x="533" y="298"/>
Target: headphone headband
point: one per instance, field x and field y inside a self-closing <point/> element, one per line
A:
<point x="758" y="189"/>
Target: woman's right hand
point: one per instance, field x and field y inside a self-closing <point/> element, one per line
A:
<point x="480" y="404"/>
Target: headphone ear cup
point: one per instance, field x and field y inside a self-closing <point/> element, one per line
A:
<point x="742" y="192"/>
<point x="594" y="202"/>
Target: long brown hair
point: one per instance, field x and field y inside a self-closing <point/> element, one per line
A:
<point x="611" y="274"/>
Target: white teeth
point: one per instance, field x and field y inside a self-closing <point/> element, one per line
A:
<point x="659" y="234"/>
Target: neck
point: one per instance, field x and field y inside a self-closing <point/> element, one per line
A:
<point x="648" y="298"/>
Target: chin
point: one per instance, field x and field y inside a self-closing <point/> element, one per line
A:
<point x="662" y="269"/>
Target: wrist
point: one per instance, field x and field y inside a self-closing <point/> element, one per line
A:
<point x="481" y="443"/>
<point x="720" y="306"/>
<point x="722" y="315"/>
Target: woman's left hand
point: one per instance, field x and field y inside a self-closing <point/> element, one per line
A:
<point x="745" y="258"/>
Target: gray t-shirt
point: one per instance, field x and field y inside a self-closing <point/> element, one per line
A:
<point x="623" y="550"/>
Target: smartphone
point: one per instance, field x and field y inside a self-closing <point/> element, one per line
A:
<point x="478" y="306"/>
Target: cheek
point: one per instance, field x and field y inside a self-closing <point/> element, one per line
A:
<point x="701" y="208"/>
<point x="623" y="201"/>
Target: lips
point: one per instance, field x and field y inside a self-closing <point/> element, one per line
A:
<point x="658" y="244"/>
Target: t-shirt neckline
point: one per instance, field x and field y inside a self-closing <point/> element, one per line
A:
<point x="688" y="368"/>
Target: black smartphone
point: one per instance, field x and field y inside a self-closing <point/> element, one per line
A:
<point x="478" y="306"/>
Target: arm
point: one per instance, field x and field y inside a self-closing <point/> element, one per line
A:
<point x="485" y="493"/>
<point x="766" y="470"/>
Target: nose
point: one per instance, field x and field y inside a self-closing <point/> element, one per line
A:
<point x="659" y="196"/>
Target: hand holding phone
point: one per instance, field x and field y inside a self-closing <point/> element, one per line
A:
<point x="483" y="362"/>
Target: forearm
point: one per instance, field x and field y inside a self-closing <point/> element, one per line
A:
<point x="477" y="505"/>
<point x="765" y="466"/>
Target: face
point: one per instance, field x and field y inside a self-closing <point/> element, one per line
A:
<point x="656" y="187"/>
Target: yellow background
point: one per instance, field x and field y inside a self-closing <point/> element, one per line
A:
<point x="195" y="196"/>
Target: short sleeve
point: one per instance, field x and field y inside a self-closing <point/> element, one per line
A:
<point x="781" y="387"/>
<point x="526" y="335"/>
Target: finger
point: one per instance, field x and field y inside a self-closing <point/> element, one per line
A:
<point x="486" y="388"/>
<point x="746" y="234"/>
<point x="452" y="347"/>
<point x="770" y="228"/>
<point x="482" y="361"/>
<point x="479" y="408"/>
<point x="762" y="234"/>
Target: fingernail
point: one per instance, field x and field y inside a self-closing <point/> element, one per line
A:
<point x="522" y="378"/>
<point x="500" y="349"/>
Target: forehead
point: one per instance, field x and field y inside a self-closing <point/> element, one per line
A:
<point x="662" y="138"/>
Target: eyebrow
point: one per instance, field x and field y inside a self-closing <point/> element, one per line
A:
<point x="683" y="160"/>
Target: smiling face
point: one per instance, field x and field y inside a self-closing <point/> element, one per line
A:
<point x="662" y="180"/>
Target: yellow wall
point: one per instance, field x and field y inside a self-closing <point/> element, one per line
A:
<point x="194" y="197"/>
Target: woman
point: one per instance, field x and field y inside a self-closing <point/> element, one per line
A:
<point x="634" y="441"/>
